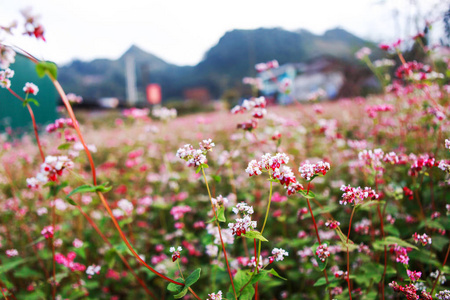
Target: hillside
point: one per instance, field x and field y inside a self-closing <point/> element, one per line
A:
<point x="222" y="67"/>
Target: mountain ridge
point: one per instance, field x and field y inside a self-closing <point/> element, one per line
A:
<point x="222" y="67"/>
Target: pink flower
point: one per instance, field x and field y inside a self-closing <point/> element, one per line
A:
<point x="12" y="252"/>
<point x="414" y="275"/>
<point x="47" y="232"/>
<point x="30" y="88"/>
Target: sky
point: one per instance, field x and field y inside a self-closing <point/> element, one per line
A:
<point x="181" y="31"/>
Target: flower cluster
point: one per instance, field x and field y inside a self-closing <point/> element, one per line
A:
<point x="48" y="232"/>
<point x="414" y="275"/>
<point x="178" y="211"/>
<point x="356" y="195"/>
<point x="257" y="106"/>
<point x="7" y="56"/>
<point x="332" y="224"/>
<point x="136" y="113"/>
<point x="244" y="224"/>
<point x="92" y="270"/>
<point x="175" y="253"/>
<point x="424" y="238"/>
<point x="164" y="113"/>
<point x="30" y="88"/>
<point x="261" y="67"/>
<point x="410" y="291"/>
<point x="374" y="109"/>
<point x="73" y="98"/>
<point x="214" y="296"/>
<point x="421" y="162"/>
<point x="219" y="201"/>
<point x="278" y="255"/>
<point x="11" y="252"/>
<point x="443" y="295"/>
<point x="5" y="77"/>
<point x="195" y="157"/>
<point x="322" y="252"/>
<point x="309" y="171"/>
<point x="372" y="158"/>
<point x="401" y="254"/>
<point x="32" y="25"/>
<point x="69" y="262"/>
<point x="59" y="124"/>
<point x="362" y="53"/>
<point x="50" y="170"/>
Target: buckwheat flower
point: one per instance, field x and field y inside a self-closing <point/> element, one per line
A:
<point x="48" y="232"/>
<point x="443" y="295"/>
<point x="442" y="279"/>
<point x="41" y="211"/>
<point x="444" y="166"/>
<point x="254" y="168"/>
<point x="424" y="239"/>
<point x="197" y="159"/>
<point x="126" y="206"/>
<point x="322" y="252"/>
<point x="284" y="175"/>
<point x="447" y="143"/>
<point x="278" y="254"/>
<point x="77" y="243"/>
<point x="242" y="225"/>
<point x="259" y="113"/>
<point x="33" y="183"/>
<point x="74" y="98"/>
<point x="293" y="188"/>
<point x="212" y="250"/>
<point x="308" y="170"/>
<point x="92" y="270"/>
<point x="332" y="224"/>
<point x="5" y="78"/>
<point x="214" y="296"/>
<point x="30" y="88"/>
<point x="362" y="53"/>
<point x="175" y="253"/>
<point x="356" y="195"/>
<point x="243" y="208"/>
<point x="219" y="201"/>
<point x="12" y="252"/>
<point x="7" y="56"/>
<point x="413" y="275"/>
<point x="206" y="145"/>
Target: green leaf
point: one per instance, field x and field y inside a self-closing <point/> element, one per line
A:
<point x="247" y="293"/>
<point x="86" y="188"/>
<point x="181" y="294"/>
<point x="5" y="267"/>
<point x="255" y="235"/>
<point x="103" y="188"/>
<point x="198" y="169"/>
<point x="308" y="195"/>
<point x="47" y="67"/>
<point x="71" y="201"/>
<point x="392" y="230"/>
<point x="390" y="240"/>
<point x="275" y="273"/>
<point x="216" y="178"/>
<point x="322" y="264"/>
<point x="175" y="287"/>
<point x="34" y="101"/>
<point x="64" y="146"/>
<point x="193" y="278"/>
<point x="26" y="272"/>
<point x="221" y="214"/>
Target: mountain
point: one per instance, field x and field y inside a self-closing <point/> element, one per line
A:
<point x="223" y="66"/>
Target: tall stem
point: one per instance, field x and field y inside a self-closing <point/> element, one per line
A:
<point x="53" y="252"/>
<point x="348" y="255"/>
<point x="220" y="233"/>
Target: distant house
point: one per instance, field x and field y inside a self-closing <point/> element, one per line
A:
<point x="336" y="77"/>
<point x="12" y="113"/>
<point x="199" y="94"/>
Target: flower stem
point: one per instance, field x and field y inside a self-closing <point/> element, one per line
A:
<point x="220" y="233"/>
<point x="53" y="253"/>
<point x="348" y="254"/>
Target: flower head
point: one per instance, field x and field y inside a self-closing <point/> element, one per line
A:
<point x="30" y="88"/>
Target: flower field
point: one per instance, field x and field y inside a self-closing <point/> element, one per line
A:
<point x="322" y="200"/>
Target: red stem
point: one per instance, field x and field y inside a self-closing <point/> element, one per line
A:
<point x="94" y="179"/>
<point x="53" y="253"/>
<point x="33" y="120"/>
